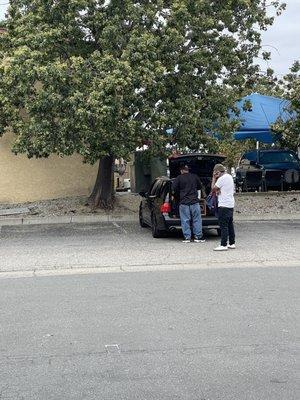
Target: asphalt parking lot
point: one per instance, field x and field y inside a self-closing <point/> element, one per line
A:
<point x="164" y="320"/>
<point x="221" y="334"/>
<point x="126" y="245"/>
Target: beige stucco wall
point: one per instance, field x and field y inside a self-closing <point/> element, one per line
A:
<point x="23" y="179"/>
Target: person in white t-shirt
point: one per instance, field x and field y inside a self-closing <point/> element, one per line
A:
<point x="223" y="185"/>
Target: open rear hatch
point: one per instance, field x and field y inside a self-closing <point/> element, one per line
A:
<point x="199" y="164"/>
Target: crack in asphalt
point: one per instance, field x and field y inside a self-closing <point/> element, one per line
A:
<point x="126" y="267"/>
<point x="186" y="350"/>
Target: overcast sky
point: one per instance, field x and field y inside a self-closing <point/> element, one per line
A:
<point x="282" y="39"/>
<point x="284" y="35"/>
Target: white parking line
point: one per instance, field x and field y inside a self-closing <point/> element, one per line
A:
<point x="112" y="348"/>
<point x="120" y="227"/>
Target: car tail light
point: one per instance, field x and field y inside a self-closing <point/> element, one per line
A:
<point x="165" y="208"/>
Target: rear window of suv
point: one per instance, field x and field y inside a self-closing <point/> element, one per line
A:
<point x="277" y="157"/>
<point x="155" y="188"/>
<point x="251" y="156"/>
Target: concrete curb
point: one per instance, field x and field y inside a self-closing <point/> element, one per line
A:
<point x="65" y="219"/>
<point x="91" y="219"/>
<point x="267" y="194"/>
<point x="267" y="217"/>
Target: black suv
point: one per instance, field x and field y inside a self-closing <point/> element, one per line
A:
<point x="279" y="168"/>
<point x="160" y="211"/>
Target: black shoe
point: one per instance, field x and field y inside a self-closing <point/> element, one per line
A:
<point x="199" y="240"/>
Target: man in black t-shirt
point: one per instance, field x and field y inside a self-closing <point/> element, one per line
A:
<point x="186" y="187"/>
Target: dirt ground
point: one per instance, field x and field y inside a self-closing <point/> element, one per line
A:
<point x="128" y="203"/>
<point x="268" y="203"/>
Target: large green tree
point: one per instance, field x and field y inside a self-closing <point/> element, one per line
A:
<point x="100" y="78"/>
<point x="289" y="127"/>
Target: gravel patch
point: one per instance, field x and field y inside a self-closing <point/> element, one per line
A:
<point x="268" y="203"/>
<point x="127" y="203"/>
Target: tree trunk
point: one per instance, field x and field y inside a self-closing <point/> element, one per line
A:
<point x="102" y="195"/>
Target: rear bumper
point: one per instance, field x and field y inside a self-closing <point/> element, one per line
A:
<point x="207" y="223"/>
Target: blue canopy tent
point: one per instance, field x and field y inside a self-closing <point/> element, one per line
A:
<point x="256" y="124"/>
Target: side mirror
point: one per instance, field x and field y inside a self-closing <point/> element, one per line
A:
<point x="143" y="194"/>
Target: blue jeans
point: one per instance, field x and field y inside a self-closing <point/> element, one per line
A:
<point x="190" y="214"/>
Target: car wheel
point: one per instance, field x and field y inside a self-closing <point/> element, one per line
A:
<point x="156" y="233"/>
<point x="141" y="219"/>
<point x="219" y="232"/>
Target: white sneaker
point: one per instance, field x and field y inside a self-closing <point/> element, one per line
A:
<point x="221" y="248"/>
<point x="199" y="240"/>
<point x="231" y="246"/>
<point x="186" y="241"/>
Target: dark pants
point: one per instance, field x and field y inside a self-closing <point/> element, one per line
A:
<point x="226" y="225"/>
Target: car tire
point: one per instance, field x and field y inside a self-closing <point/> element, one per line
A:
<point x="156" y="233"/>
<point x="219" y="232"/>
<point x="141" y="219"/>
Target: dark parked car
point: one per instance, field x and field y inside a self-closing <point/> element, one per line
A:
<point x="160" y="210"/>
<point x="264" y="169"/>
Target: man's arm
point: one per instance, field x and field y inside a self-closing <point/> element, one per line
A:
<point x="215" y="188"/>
